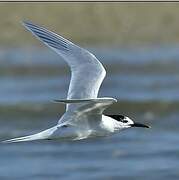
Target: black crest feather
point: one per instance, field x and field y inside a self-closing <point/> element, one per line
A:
<point x="116" y="117"/>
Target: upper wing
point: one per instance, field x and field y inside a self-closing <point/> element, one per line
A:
<point x="87" y="73"/>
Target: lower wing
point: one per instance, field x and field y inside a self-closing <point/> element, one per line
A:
<point x="87" y="107"/>
<point x="71" y="101"/>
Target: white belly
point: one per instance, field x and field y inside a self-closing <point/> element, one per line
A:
<point x="65" y="133"/>
<point x="73" y="133"/>
<point x="85" y="129"/>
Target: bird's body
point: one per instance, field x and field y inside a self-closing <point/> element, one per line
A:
<point x="104" y="127"/>
<point x="84" y="116"/>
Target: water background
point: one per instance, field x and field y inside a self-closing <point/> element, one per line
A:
<point x="144" y="80"/>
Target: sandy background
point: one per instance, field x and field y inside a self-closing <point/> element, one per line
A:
<point x="93" y="23"/>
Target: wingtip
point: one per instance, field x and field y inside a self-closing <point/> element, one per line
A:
<point x="110" y="98"/>
<point x="24" y="23"/>
<point x="28" y="24"/>
<point x="57" y="101"/>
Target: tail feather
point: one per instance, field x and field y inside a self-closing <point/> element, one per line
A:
<point x="39" y="136"/>
<point x="21" y="139"/>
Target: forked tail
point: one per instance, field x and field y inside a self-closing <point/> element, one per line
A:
<point x="39" y="136"/>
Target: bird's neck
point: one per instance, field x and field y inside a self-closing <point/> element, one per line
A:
<point x="108" y="123"/>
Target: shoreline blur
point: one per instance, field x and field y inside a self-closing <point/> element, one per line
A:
<point x="121" y="24"/>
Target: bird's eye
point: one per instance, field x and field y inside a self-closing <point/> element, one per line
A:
<point x="124" y="121"/>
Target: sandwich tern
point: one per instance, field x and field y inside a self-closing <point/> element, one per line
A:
<point x="84" y="116"/>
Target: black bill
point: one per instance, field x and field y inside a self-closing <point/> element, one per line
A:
<point x="140" y="125"/>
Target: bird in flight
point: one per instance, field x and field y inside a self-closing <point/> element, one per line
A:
<point x="84" y="116"/>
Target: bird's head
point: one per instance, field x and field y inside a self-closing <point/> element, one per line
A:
<point x="126" y="122"/>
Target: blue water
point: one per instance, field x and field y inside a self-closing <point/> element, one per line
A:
<point x="146" y="82"/>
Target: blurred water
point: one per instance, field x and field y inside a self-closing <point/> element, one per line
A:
<point x="146" y="82"/>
